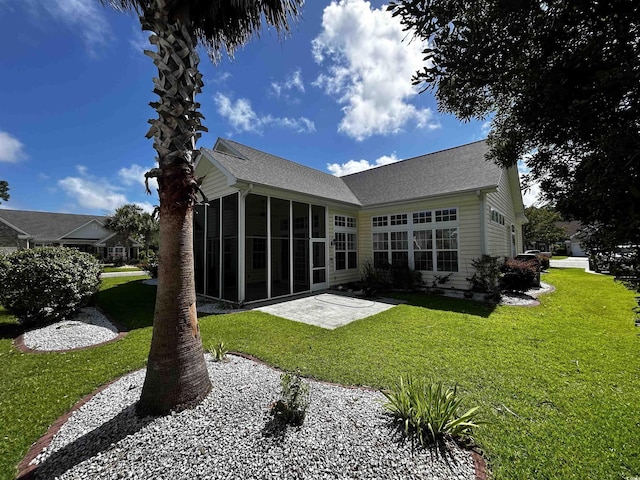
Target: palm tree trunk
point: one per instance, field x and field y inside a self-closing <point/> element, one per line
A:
<point x="177" y="374"/>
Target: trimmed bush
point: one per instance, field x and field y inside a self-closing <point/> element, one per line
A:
<point x="518" y="275"/>
<point x="375" y="280"/>
<point x="486" y="278"/>
<point x="47" y="284"/>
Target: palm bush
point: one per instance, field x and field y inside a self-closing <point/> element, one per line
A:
<point x="47" y="284"/>
<point x="429" y="410"/>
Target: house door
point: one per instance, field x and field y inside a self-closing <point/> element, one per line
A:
<point x="319" y="265"/>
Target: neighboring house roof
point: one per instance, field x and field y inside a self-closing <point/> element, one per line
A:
<point x="47" y="225"/>
<point x="457" y="169"/>
<point x="572" y="228"/>
<point x="254" y="166"/>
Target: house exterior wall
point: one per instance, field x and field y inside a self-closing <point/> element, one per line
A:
<point x="92" y="231"/>
<point x="499" y="235"/>
<point x="468" y="224"/>
<point x="337" y="277"/>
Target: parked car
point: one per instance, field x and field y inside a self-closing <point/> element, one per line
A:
<point x="539" y="253"/>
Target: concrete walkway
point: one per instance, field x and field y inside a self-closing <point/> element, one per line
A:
<point x="328" y="310"/>
<point x="124" y="274"/>
<point x="571" y="262"/>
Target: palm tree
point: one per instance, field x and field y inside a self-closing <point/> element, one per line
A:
<point x="177" y="376"/>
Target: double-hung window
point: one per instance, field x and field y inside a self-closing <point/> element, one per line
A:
<point x="345" y="243"/>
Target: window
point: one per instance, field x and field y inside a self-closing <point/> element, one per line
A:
<point x="497" y="217"/>
<point x="380" y="249"/>
<point x="446" y="215"/>
<point x="429" y="248"/>
<point x="447" y="249"/>
<point x="399" y="219"/>
<point x="346" y="254"/>
<point x="380" y="221"/>
<point x="422" y="217"/>
<point x="351" y="222"/>
<point x="399" y="248"/>
<point x="423" y="250"/>
<point x="340" y="221"/>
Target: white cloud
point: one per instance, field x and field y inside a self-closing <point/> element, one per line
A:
<point x="243" y="118"/>
<point x="485" y="128"/>
<point x="354" y="166"/>
<point x="532" y="195"/>
<point x="369" y="69"/>
<point x="292" y="82"/>
<point x="140" y="41"/>
<point x="135" y="175"/>
<point x="91" y="194"/>
<point x="11" y="149"/>
<point x="85" y="17"/>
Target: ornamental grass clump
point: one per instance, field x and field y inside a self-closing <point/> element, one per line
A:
<point x="43" y="285"/>
<point x="429" y="410"/>
<point x="218" y="351"/>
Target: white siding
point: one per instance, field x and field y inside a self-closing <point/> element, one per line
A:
<point x="499" y="236"/>
<point x="214" y="184"/>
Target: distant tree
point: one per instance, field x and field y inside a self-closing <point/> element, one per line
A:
<point x="177" y="375"/>
<point x="542" y="227"/>
<point x="149" y="232"/>
<point x="562" y="81"/>
<point x="128" y="221"/>
<point x="4" y="191"/>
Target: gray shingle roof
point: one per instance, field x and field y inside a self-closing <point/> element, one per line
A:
<point x="47" y="225"/>
<point x="457" y="169"/>
<point x="266" y="169"/>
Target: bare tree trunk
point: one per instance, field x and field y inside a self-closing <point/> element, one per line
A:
<point x="177" y="376"/>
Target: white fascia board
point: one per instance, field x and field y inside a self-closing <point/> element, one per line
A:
<point x="231" y="179"/>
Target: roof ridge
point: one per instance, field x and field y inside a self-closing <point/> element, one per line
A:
<point x="50" y="213"/>
<point x="412" y="158"/>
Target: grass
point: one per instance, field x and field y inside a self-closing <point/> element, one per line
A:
<point x="559" y="257"/>
<point x="557" y="383"/>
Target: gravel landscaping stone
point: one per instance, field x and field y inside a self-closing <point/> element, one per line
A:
<point x="88" y="327"/>
<point x="230" y="435"/>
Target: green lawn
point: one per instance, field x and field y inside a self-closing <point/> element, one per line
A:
<point x="559" y="384"/>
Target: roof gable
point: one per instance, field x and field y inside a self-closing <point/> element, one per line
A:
<point x="458" y="169"/>
<point x="254" y="166"/>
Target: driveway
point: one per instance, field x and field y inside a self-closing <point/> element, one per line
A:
<point x="571" y="262"/>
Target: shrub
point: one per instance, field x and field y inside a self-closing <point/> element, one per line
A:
<point x="47" y="284"/>
<point x="518" y="275"/>
<point x="404" y="278"/>
<point x="486" y="278"/>
<point x="291" y="408"/>
<point x="374" y="279"/>
<point x="429" y="411"/>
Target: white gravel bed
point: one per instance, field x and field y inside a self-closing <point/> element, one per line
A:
<point x="88" y="327"/>
<point x="526" y="298"/>
<point x="346" y="435"/>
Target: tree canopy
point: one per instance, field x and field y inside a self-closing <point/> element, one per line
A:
<point x="560" y="80"/>
<point x="542" y="227"/>
<point x="130" y="221"/>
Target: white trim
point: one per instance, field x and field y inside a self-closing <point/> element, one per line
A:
<point x="11" y="225"/>
<point x="80" y="227"/>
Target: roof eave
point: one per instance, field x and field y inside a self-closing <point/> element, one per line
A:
<point x="231" y="179"/>
<point x="17" y="229"/>
<point x="246" y="184"/>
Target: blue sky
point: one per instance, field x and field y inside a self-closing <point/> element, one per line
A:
<point x="334" y="95"/>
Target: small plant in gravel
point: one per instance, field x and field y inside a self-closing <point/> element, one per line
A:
<point x="429" y="410"/>
<point x="218" y="351"/>
<point x="291" y="408"/>
<point x="47" y="284"/>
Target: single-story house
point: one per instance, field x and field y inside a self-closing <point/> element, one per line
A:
<point x="575" y="237"/>
<point x="273" y="227"/>
<point x="27" y="229"/>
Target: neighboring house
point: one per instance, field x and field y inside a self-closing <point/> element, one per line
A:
<point x="273" y="227"/>
<point x="26" y="229"/>
<point x="574" y="239"/>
